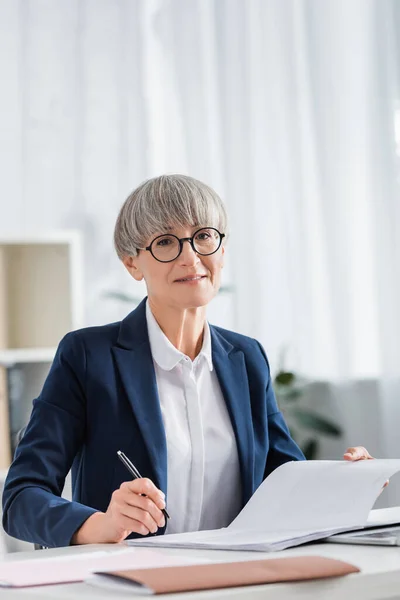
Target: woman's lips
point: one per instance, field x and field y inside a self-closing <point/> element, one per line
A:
<point x="193" y="279"/>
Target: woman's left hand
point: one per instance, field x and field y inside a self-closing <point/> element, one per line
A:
<point x="359" y="453"/>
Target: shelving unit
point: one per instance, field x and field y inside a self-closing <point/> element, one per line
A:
<point x="41" y="299"/>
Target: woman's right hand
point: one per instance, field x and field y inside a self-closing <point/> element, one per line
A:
<point x="134" y="507"/>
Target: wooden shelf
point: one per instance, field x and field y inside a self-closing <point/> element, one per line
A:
<point x="41" y="299"/>
<point x="37" y="297"/>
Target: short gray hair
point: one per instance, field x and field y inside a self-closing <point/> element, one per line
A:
<point x="163" y="202"/>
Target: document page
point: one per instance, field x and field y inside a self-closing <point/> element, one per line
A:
<point x="77" y="567"/>
<point x="300" y="501"/>
<point x="316" y="494"/>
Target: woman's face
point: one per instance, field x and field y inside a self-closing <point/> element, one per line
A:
<point x="173" y="283"/>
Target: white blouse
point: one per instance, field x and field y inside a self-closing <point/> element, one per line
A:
<point x="204" y="485"/>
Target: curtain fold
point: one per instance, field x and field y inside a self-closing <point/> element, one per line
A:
<point x="284" y="108"/>
<point x="288" y="109"/>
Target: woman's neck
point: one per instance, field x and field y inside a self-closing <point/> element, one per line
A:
<point x="183" y="327"/>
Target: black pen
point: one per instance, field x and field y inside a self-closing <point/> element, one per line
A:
<point x="135" y="473"/>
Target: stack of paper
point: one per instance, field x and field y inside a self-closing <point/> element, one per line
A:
<point x="299" y="502"/>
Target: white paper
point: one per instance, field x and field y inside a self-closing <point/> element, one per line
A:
<point x="316" y="494"/>
<point x="384" y="516"/>
<point x="300" y="501"/>
<point x="64" y="569"/>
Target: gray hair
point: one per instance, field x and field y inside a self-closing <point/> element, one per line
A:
<point x="164" y="202"/>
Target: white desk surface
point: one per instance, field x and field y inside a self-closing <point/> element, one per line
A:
<point x="380" y="576"/>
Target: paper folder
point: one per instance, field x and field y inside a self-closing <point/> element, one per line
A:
<point x="222" y="575"/>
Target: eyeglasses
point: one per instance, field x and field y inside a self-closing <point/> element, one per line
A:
<point x="166" y="248"/>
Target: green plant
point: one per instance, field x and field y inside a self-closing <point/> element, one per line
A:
<point x="305" y="425"/>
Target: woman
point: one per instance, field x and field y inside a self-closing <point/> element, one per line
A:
<point x="191" y="405"/>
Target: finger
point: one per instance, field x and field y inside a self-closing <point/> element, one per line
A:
<point x="350" y="454"/>
<point x="128" y="525"/>
<point x="146" y="486"/>
<point x="384" y="485"/>
<point x="364" y="452"/>
<point x="137" y="514"/>
<point x="145" y="503"/>
<point x="357" y="453"/>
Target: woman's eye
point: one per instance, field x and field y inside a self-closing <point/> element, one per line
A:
<point x="204" y="235"/>
<point x="164" y="242"/>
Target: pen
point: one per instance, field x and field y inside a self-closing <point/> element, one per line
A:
<point x="135" y="473"/>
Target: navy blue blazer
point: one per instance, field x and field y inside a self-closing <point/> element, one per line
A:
<point x="101" y="396"/>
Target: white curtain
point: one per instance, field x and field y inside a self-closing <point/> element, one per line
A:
<point x="289" y="108"/>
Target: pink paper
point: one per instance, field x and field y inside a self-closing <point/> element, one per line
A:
<point x="76" y="567"/>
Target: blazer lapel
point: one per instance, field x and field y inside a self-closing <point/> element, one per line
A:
<point x="135" y="365"/>
<point x="231" y="370"/>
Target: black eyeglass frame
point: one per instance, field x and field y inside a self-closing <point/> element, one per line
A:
<point x="181" y="240"/>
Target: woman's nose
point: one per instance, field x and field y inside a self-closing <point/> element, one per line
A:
<point x="188" y="256"/>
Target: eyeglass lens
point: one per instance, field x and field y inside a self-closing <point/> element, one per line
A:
<point x="167" y="247"/>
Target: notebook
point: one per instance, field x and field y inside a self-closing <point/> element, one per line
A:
<point x="388" y="536"/>
<point x="301" y="501"/>
<point x="221" y="575"/>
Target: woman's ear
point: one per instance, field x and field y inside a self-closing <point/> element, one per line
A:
<point x="131" y="265"/>
<point x="222" y="257"/>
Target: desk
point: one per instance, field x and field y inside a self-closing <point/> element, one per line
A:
<point x="380" y="577"/>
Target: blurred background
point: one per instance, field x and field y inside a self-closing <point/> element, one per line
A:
<point x="290" y="109"/>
